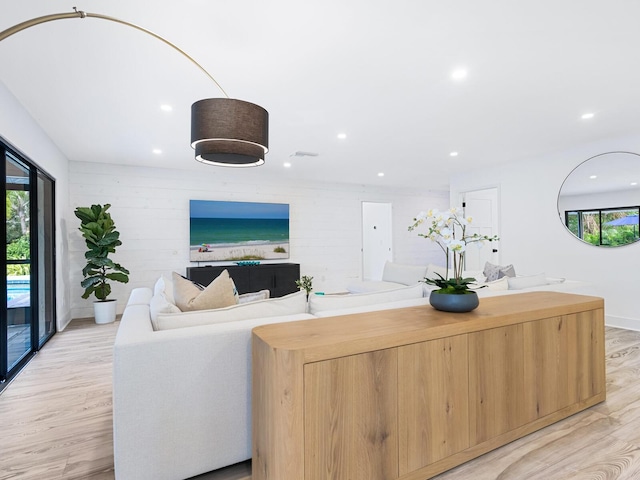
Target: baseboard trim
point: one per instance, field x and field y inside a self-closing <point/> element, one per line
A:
<point x="622" y="322"/>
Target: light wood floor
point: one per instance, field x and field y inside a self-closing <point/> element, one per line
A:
<point x="55" y="421"/>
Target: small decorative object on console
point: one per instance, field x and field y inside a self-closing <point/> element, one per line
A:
<point x="448" y="230"/>
<point x="305" y="283"/>
<point x="244" y="263"/>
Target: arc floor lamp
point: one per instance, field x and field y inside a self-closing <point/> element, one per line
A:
<point x="224" y="131"/>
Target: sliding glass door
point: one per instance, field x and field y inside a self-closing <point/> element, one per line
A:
<point x="28" y="303"/>
<point x="18" y="254"/>
<point x="46" y="280"/>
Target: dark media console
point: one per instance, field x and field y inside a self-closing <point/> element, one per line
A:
<point x="278" y="278"/>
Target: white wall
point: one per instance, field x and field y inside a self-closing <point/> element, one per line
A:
<point x="534" y="239"/>
<point x="150" y="207"/>
<point x="622" y="198"/>
<point x="22" y="132"/>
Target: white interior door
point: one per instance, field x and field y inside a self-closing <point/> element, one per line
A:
<point x="482" y="206"/>
<point x="376" y="239"/>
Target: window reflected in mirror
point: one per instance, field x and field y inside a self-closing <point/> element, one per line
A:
<point x="599" y="202"/>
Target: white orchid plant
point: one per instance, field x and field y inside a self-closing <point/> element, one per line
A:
<point x="448" y="229"/>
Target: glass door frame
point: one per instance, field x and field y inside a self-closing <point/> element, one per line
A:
<point x="36" y="288"/>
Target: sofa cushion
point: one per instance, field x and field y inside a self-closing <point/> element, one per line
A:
<point x="140" y="296"/>
<point x="404" y="274"/>
<point x="319" y="303"/>
<point x="412" y="302"/>
<point x="518" y="283"/>
<point x="221" y="292"/>
<point x="372" y="286"/>
<point x="292" y="304"/>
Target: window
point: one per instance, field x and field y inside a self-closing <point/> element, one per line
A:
<point x="608" y="227"/>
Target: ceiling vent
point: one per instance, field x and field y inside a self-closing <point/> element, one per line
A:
<point x="304" y="154"/>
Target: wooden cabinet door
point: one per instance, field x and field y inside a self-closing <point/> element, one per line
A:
<point x="550" y="365"/>
<point x="523" y="372"/>
<point x="564" y="361"/>
<point x="433" y="401"/>
<point x="586" y="355"/>
<point x="496" y="382"/>
<point x="351" y="417"/>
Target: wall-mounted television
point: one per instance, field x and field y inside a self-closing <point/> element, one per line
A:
<point x="222" y="231"/>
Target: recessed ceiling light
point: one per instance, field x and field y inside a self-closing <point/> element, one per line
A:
<point x="157" y="151"/>
<point x="634" y="183"/>
<point x="459" y="74"/>
<point x="166" y="108"/>
<point x="342" y="136"/>
<point x="587" y="116"/>
<point x="593" y="176"/>
<point x="381" y="174"/>
<point x="287" y="164"/>
<point x="453" y="154"/>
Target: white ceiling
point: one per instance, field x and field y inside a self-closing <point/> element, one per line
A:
<point x="378" y="71"/>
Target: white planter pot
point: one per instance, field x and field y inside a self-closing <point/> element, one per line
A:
<point x="105" y="312"/>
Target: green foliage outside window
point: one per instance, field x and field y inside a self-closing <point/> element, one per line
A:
<point x="591" y="226"/>
<point x="17" y="224"/>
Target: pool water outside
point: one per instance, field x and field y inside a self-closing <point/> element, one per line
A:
<point x="12" y="294"/>
<point x="18" y="291"/>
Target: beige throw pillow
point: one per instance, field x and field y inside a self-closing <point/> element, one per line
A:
<point x="219" y="293"/>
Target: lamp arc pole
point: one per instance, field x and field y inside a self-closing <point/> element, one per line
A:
<point x="224" y="131"/>
<point x="81" y="14"/>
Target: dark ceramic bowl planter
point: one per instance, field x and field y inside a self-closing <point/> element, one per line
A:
<point x="452" y="302"/>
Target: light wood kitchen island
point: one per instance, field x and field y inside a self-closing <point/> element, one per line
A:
<point x="409" y="393"/>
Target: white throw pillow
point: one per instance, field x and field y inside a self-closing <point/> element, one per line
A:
<point x="555" y="280"/>
<point x="404" y="274"/>
<point x="442" y="271"/>
<point x="164" y="284"/>
<point x="477" y="274"/>
<point x="518" y="283"/>
<point x="295" y="303"/>
<point x="254" y="296"/>
<point x="320" y="303"/>
<point x="160" y="304"/>
<point x="500" y="284"/>
<point x="221" y="292"/>
<point x="433" y="269"/>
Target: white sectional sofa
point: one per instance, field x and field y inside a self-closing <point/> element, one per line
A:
<point x="182" y="381"/>
<point x="182" y="396"/>
<point x="396" y="275"/>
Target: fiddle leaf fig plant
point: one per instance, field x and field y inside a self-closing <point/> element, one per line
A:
<point x="101" y="238"/>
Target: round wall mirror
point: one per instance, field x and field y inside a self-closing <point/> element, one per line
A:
<point x="599" y="201"/>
